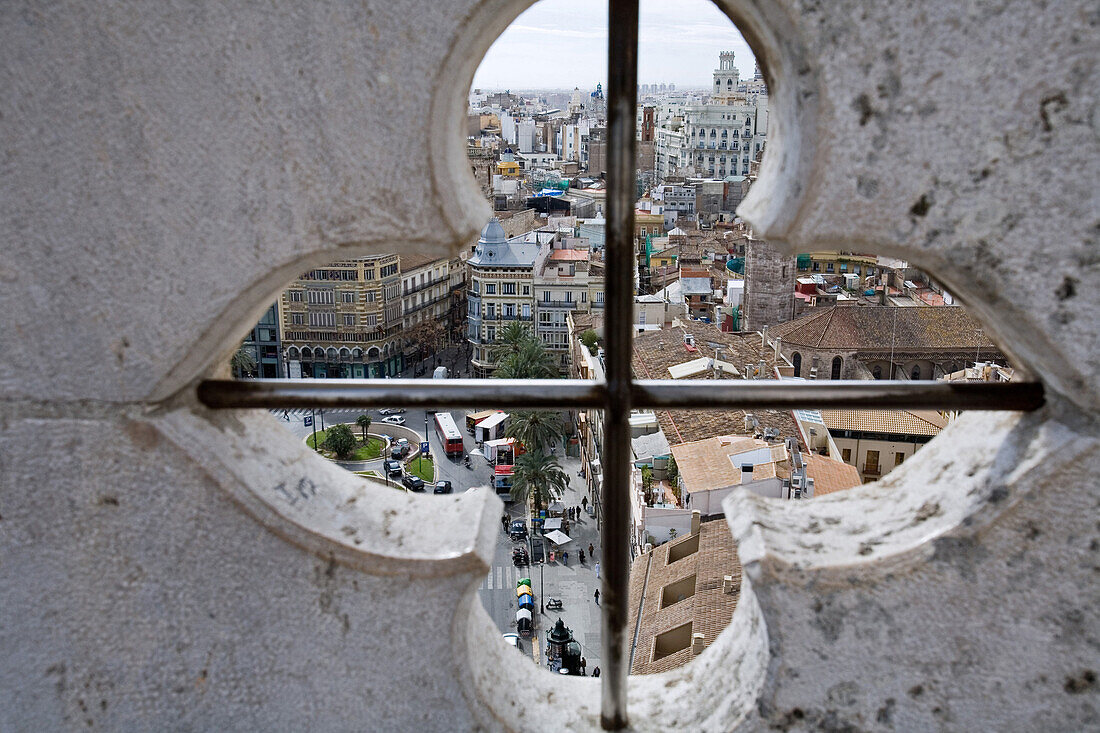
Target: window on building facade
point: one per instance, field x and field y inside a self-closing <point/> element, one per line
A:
<point x="507" y="288"/>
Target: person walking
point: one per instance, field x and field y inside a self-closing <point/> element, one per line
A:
<point x="591" y="551"/>
<point x="504" y="522"/>
<point x="582" y="557"/>
<point x="584" y="502"/>
<point x="584" y="663"/>
<point x="596" y="595"/>
<point x="595" y="671"/>
<point x="597" y="572"/>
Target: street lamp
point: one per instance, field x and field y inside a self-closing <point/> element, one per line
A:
<point x="542" y="586"/>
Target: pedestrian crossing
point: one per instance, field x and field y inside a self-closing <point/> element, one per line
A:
<point x="504" y="576"/>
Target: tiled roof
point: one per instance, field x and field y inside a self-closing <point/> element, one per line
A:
<point x="901" y="422"/>
<point x="829" y="475"/>
<point x="871" y="327"/>
<point x="569" y="255"/>
<point x="656" y="351"/>
<point x="709" y="610"/>
<point x="707" y="464"/>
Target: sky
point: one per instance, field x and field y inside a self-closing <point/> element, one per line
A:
<point x="561" y="44"/>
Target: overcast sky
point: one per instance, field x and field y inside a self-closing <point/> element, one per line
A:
<point x="563" y="44"/>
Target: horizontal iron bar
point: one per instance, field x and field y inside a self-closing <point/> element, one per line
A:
<point x="288" y="393"/>
<point x="575" y="393"/>
<point x="839" y="394"/>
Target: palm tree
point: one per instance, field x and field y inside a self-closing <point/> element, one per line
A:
<point x="529" y="361"/>
<point x="243" y="361"/>
<point x="535" y="429"/>
<point x="538" y="477"/>
<point x="509" y="341"/>
<point x="363" y="421"/>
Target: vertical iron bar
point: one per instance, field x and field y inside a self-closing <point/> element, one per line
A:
<point x="622" y="87"/>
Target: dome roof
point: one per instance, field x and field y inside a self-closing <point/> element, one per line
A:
<point x="493" y="233"/>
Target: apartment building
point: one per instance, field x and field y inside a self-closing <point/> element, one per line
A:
<point x="566" y="280"/>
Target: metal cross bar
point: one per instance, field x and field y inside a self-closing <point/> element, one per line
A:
<point x="622" y="91"/>
<point x="698" y="394"/>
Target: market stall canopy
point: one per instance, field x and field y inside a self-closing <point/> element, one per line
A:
<point x="554" y="523"/>
<point x="557" y="506"/>
<point x="558" y="537"/>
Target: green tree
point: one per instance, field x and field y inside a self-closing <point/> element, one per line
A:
<point x="340" y="440"/>
<point x="535" y="429"/>
<point x="509" y="341"/>
<point x="243" y="361"/>
<point x="590" y="338"/>
<point x="363" y="421"/>
<point x="647" y="484"/>
<point x="538" y="478"/>
<point x="672" y="473"/>
<point x="529" y="361"/>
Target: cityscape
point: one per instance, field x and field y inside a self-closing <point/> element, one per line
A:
<point x="712" y="301"/>
<point x="648" y="365"/>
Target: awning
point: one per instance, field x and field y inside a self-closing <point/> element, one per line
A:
<point x="558" y="537"/>
<point x="492" y="421"/>
<point x="554" y="523"/>
<point x="556" y="506"/>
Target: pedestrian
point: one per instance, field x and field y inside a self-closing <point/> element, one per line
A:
<point x="591" y="551"/>
<point x="584" y="662"/>
<point x="595" y="671"/>
<point x="584" y="502"/>
<point x="577" y="511"/>
<point x="504" y="522"/>
<point x="596" y="595"/>
<point x="582" y="557"/>
<point x="597" y="572"/>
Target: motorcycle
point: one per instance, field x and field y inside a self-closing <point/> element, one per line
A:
<point x="554" y="604"/>
<point x="520" y="557"/>
<point x="466" y="462"/>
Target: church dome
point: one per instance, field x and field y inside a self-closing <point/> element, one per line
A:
<point x="493" y="233"/>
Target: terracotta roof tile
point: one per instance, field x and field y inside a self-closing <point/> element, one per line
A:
<point x="829" y="475"/>
<point x="877" y="327"/>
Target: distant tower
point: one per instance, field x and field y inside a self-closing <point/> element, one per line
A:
<point x="726" y="78"/>
<point x="769" y="286"/>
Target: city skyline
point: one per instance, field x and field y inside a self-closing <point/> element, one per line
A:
<point x="562" y="44"/>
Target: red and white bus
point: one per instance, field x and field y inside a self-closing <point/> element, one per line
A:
<point x="448" y="433"/>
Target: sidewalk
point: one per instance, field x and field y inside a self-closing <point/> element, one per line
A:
<point x="574" y="584"/>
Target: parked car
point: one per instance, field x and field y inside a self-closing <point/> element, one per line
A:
<point x="393" y="468"/>
<point x="518" y="530"/>
<point x="392" y="411"/>
<point x="394" y="420"/>
<point x="443" y="487"/>
<point x="412" y="483"/>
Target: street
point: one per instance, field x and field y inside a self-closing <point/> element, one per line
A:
<point x="574" y="584"/>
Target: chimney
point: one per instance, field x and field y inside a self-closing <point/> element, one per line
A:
<point x="764" y="338"/>
<point x="746" y="474"/>
<point x="696" y="519"/>
<point x="697" y="644"/>
<point x="727" y="584"/>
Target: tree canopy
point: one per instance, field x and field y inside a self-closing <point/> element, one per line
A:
<point x="340" y="440"/>
<point x="538" y="477"/>
<point x="363" y="421"/>
<point x="535" y="429"/>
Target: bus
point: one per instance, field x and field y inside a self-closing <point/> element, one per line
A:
<point x="448" y="434"/>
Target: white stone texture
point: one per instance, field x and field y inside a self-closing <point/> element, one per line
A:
<point x="166" y="168"/>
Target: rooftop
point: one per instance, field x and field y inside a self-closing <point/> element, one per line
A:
<point x="715" y="463"/>
<point x="570" y="255"/>
<point x="656" y="351"/>
<point x="830" y="475"/>
<point x="871" y="327"/>
<point x="897" y="422"/>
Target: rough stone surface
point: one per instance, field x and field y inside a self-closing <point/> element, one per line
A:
<point x="166" y="168"/>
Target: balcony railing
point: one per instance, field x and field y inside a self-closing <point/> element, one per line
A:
<point x="571" y="304"/>
<point x="872" y="469"/>
<point x="423" y="286"/>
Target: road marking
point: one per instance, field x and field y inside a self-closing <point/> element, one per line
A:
<point x="500" y="576"/>
<point x="489" y="580"/>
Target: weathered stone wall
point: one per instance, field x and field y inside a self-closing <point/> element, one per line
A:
<point x="769" y="286"/>
<point x="168" y="167"/>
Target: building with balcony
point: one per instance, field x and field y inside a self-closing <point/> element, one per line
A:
<point x="500" y="272"/>
<point x="344" y="320"/>
<point x="566" y="280"/>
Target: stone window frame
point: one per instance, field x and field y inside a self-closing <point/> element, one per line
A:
<point x="748" y="651"/>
